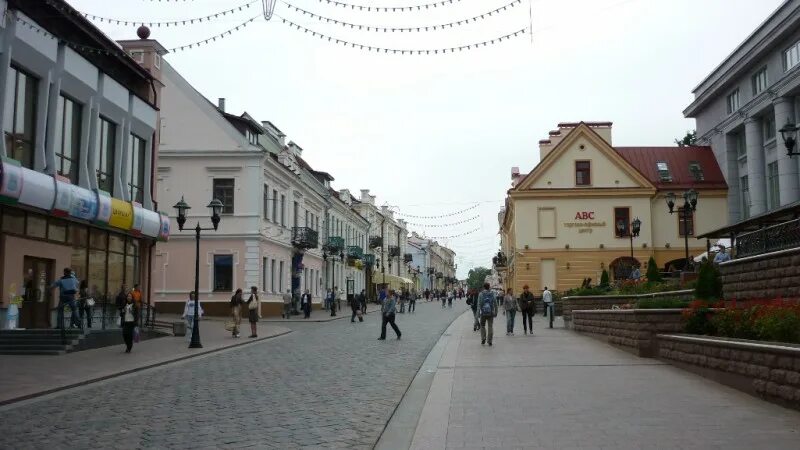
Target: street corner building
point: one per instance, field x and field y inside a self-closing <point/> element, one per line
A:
<point x="573" y="215"/>
<point x="79" y="115"/>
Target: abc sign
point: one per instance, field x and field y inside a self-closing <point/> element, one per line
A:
<point x="584" y="215"/>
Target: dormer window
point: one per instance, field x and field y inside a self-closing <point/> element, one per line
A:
<point x="663" y="171"/>
<point x="251" y="137"/>
<point x="696" y="171"/>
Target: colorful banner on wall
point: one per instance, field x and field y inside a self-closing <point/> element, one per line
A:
<point x="38" y="190"/>
<point x="163" y="234"/>
<point x="103" y="207"/>
<point x="10" y="180"/>
<point x="121" y="215"/>
<point x="138" y="219"/>
<point x="151" y="223"/>
<point x="84" y="204"/>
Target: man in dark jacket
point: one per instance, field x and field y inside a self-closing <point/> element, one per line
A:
<point x="528" y="308"/>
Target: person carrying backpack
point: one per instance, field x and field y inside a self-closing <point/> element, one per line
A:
<point x="487" y="307"/>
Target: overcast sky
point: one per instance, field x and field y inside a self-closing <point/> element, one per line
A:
<point x="435" y="134"/>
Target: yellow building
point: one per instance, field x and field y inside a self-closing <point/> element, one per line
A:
<point x="569" y="218"/>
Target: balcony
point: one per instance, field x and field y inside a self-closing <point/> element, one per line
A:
<point x="355" y="252"/>
<point x="408" y="257"/>
<point x="335" y="244"/>
<point x="500" y="262"/>
<point x="369" y="260"/>
<point x="770" y="239"/>
<point x="304" y="237"/>
<point x="394" y="251"/>
<point x="375" y="242"/>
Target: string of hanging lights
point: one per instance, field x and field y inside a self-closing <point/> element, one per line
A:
<point x="371" y="8"/>
<point x="444" y="225"/>
<point x="455" y="235"/>
<point x="404" y="29"/>
<point x="168" y="23"/>
<point x="472" y="46"/>
<point x="454" y="213"/>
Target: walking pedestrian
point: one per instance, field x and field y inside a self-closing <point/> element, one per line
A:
<point x="510" y="309"/>
<point x="305" y="304"/>
<point x="236" y="312"/>
<point x="85" y="303"/>
<point x="339" y="295"/>
<point x="412" y="302"/>
<point x="388" y="310"/>
<point x="547" y="299"/>
<point x="67" y="290"/>
<point x="287" y="304"/>
<point x="333" y="302"/>
<point x="363" y="301"/>
<point x="130" y="318"/>
<point x="355" y="307"/>
<point x="450" y="297"/>
<point x="188" y="313"/>
<point x="487" y="306"/>
<point x="472" y="301"/>
<point x="443" y="296"/>
<point x="254" y="310"/>
<point x="119" y="302"/>
<point x="528" y="309"/>
<point x="427" y="295"/>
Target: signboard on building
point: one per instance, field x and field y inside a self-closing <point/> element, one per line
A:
<point x="84" y="203"/>
<point x="38" y="190"/>
<point x="121" y="214"/>
<point x="103" y="207"/>
<point x="10" y="180"/>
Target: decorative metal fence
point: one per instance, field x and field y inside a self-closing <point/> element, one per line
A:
<point x="770" y="239"/>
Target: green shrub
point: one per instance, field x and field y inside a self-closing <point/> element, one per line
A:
<point x="653" y="275"/>
<point x="604" y="279"/>
<point x="662" y="303"/>
<point x="697" y="318"/>
<point x="776" y="321"/>
<point x="709" y="283"/>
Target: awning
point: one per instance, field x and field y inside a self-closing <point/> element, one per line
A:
<point x="393" y="281"/>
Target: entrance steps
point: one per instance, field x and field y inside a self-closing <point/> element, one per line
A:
<point x="39" y="341"/>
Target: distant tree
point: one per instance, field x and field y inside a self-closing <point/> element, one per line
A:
<point x="688" y="140"/>
<point x="477" y="276"/>
<point x="653" y="275"/>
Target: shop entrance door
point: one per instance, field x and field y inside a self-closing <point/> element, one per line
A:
<point x="38" y="275"/>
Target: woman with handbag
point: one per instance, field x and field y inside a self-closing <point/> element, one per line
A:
<point x="236" y="312"/>
<point x="254" y="311"/>
<point x="130" y="317"/>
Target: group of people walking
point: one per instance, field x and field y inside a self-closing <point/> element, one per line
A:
<point x="253" y="305"/>
<point x="486" y="304"/>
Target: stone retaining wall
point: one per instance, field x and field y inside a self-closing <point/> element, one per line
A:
<point x="768" y="370"/>
<point x="633" y="330"/>
<point x="601" y="302"/>
<point x="767" y="276"/>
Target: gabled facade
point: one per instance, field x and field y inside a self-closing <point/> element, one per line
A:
<point x="560" y="223"/>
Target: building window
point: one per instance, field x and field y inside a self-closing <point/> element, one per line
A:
<point x="283" y="211"/>
<point x="663" y="171"/>
<point x="791" y="57"/>
<point x="741" y="148"/>
<point x="272" y="277"/>
<point x="20" y="116"/>
<point x="223" y="191"/>
<point x="136" y="150"/>
<point x="773" y="187"/>
<point x="760" y="81"/>
<point x="732" y="101"/>
<point x="685" y="224"/>
<point x="68" y="138"/>
<point x="768" y="122"/>
<point x="137" y="55"/>
<point x="264" y="267"/>
<point x="295" y="215"/>
<point x="106" y="144"/>
<point x="744" y="188"/>
<point x="622" y="216"/>
<point x="280" y="277"/>
<point x="157" y="60"/>
<point x="266" y="202"/>
<point x="583" y="173"/>
<point x="275" y="206"/>
<point x="251" y="137"/>
<point x="223" y="273"/>
<point x="696" y="171"/>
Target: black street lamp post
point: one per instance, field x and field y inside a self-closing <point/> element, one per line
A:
<point x="689" y="207"/>
<point x="789" y="135"/>
<point x="632" y="230"/>
<point x="216" y="208"/>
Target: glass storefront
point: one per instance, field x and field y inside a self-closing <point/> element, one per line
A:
<point x="106" y="259"/>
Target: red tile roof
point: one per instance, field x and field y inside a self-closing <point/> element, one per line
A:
<point x="644" y="159"/>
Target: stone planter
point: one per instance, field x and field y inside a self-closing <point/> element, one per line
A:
<point x="600" y="302"/>
<point x="633" y="330"/>
<point x="765" y="369"/>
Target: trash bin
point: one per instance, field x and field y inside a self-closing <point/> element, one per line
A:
<point x="179" y="328"/>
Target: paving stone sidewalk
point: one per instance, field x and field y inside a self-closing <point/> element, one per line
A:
<point x="25" y="376"/>
<point x="560" y="390"/>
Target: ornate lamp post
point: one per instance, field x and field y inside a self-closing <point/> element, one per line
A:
<point x="789" y="135"/>
<point x="216" y="208"/>
<point x="632" y="230"/>
<point x="689" y="207"/>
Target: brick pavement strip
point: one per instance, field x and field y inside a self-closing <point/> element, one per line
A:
<point x="326" y="385"/>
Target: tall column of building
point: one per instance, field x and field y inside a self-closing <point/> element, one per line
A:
<point x="755" y="166"/>
<point x="735" y="199"/>
<point x="787" y="166"/>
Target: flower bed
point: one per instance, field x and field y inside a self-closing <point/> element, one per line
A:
<point x="767" y="369"/>
<point x="765" y="320"/>
<point x="600" y="302"/>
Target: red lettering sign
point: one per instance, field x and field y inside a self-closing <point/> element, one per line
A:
<point x="584" y="215"/>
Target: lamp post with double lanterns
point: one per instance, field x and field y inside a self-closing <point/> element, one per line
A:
<point x="631" y="229"/>
<point x="688" y="208"/>
<point x="789" y="135"/>
<point x="216" y="209"/>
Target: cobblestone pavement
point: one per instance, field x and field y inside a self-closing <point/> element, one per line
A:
<point x="327" y="385"/>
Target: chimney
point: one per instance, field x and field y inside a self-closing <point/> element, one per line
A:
<point x="514" y="175"/>
<point x="545" y="145"/>
<point x="344" y="195"/>
<point x="365" y="196"/>
<point x="221" y="104"/>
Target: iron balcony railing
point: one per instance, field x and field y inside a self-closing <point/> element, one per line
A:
<point x="369" y="259"/>
<point x="304" y="237"/>
<point x="335" y="244"/>
<point x="408" y="257"/>
<point x="375" y="242"/>
<point x="394" y="251"/>
<point x="355" y="252"/>
<point x="770" y="239"/>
